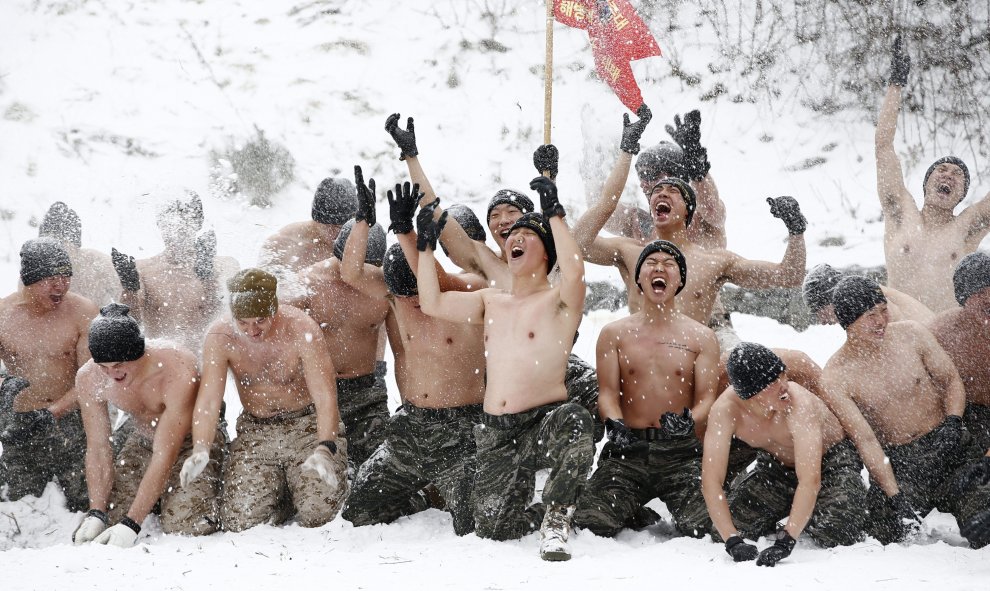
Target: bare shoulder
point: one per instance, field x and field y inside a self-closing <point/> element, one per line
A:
<point x="89" y="379"/>
<point x="177" y="358"/>
<point x="300" y="324"/>
<point x="81" y="306"/>
<point x="725" y="409"/>
<point x="697" y="332"/>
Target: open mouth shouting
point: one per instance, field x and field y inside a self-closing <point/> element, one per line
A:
<point x="944" y="188"/>
<point x="659" y="284"/>
<point x="516" y="252"/>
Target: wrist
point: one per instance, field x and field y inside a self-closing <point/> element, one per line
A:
<point x="99" y="514"/>
<point x="131" y="524"/>
<point x="329" y="444"/>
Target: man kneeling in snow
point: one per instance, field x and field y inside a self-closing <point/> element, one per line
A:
<point x="289" y="455"/>
<point x="156" y="385"/>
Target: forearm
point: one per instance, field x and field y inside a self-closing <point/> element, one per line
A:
<point x="718" y="506"/>
<point x="204" y="420"/>
<point x="589" y="225"/>
<point x="417" y="175"/>
<point x="608" y="405"/>
<point x="327" y="418"/>
<point x="99" y="477"/>
<point x="152" y="484"/>
<point x="568" y="253"/>
<point x="461" y="249"/>
<point x="802" y="507"/>
<point x="429" y="283"/>
<point x="355" y="251"/>
<point x="792" y="266"/>
<point x="955" y="399"/>
<point x="887" y="120"/>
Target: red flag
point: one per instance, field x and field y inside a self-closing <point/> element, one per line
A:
<point x="618" y="36"/>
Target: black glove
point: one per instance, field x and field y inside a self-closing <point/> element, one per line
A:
<point x="900" y="64"/>
<point x="402" y="206"/>
<point x="206" y="252"/>
<point x="975" y="474"/>
<point x="546" y="158"/>
<point x="688" y="137"/>
<point x="365" y="198"/>
<point x="780" y="550"/>
<point x="631" y="132"/>
<point x="677" y="425"/>
<point x="948" y="435"/>
<point x="427" y="229"/>
<point x="740" y="550"/>
<point x="788" y="210"/>
<point x="404" y="138"/>
<point x="619" y="434"/>
<point x="549" y="202"/>
<point x="17" y="427"/>
<point x="126" y="270"/>
<point x="910" y="520"/>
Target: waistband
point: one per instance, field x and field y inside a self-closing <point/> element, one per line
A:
<point x="358" y="383"/>
<point x="281" y="417"/>
<point x="442" y="414"/>
<point x="508" y="421"/>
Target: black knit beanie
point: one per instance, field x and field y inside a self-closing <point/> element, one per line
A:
<point x="818" y="286"/>
<point x="335" y="201"/>
<point x="375" y="253"/>
<point x="854" y="296"/>
<point x="971" y="275"/>
<point x="399" y="278"/>
<point x="61" y="223"/>
<point x="114" y="336"/>
<point x="42" y="258"/>
<point x="510" y="197"/>
<point x="751" y="368"/>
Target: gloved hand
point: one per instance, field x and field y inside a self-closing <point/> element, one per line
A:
<point x="548" y="197"/>
<point x="900" y="64"/>
<point x="787" y="209"/>
<point x="365" y="198"/>
<point x="404" y="138"/>
<point x="92" y="525"/>
<point x="740" y="550"/>
<point x="427" y="229"/>
<point x="206" y="252"/>
<point x="17" y="427"/>
<point x="546" y="158"/>
<point x="975" y="474"/>
<point x="910" y="520"/>
<point x="194" y="465"/>
<point x="948" y="435"/>
<point x="321" y="462"/>
<point x="687" y="135"/>
<point x="402" y="206"/>
<point x="780" y="550"/>
<point x="619" y="434"/>
<point x="631" y="132"/>
<point x="121" y="535"/>
<point x="677" y="425"/>
<point x="126" y="270"/>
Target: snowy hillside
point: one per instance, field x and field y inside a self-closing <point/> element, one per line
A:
<point x="106" y="105"/>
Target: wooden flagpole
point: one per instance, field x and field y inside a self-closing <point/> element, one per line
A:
<point x="548" y="76"/>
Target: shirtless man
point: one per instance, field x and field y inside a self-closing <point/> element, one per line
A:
<point x="176" y="294"/>
<point x="964" y="333"/>
<point x="43" y="328"/>
<point x="806" y="471"/>
<point x="923" y="246"/>
<point x="821" y="281"/>
<point x="474" y="256"/>
<point x="529" y="328"/>
<point x="672" y="205"/>
<point x="351" y="326"/>
<point x="156" y="385"/>
<point x="657" y="372"/>
<point x="290" y="443"/>
<point x="302" y="244"/>
<point x="93" y="276"/>
<point x="910" y="393"/>
<point x="430" y="438"/>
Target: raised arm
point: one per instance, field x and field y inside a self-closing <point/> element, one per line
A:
<point x="455" y="306"/>
<point x="789" y="272"/>
<point x="708" y="224"/>
<point x="130" y="282"/>
<point x="894" y="196"/>
<point x="572" y="287"/>
<point x="367" y="279"/>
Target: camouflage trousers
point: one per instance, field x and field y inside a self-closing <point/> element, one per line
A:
<point x="764" y="496"/>
<point x="926" y="476"/>
<point x="363" y="405"/>
<point x="581" y="382"/>
<point x="190" y="510"/>
<point x="45" y="455"/>
<point x="626" y="479"/>
<point x="511" y="448"/>
<point x="977" y="420"/>
<point x="422" y="446"/>
<point x="264" y="481"/>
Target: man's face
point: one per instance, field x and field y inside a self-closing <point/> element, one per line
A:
<point x="500" y="220"/>
<point x="872" y="325"/>
<point x="50" y="291"/>
<point x="977" y="306"/>
<point x="121" y="372"/>
<point x="775" y="396"/>
<point x="659" y="277"/>
<point x="946" y="185"/>
<point x="255" y="329"/>
<point x="667" y="206"/>
<point x="525" y="250"/>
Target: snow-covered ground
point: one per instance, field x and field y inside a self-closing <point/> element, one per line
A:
<point x="107" y="104"/>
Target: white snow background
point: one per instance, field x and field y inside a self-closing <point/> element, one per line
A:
<point x="88" y="86"/>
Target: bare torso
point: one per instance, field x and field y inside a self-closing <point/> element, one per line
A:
<point x="527" y="341"/>
<point x="43" y="349"/>
<point x="891" y="385"/>
<point x="444" y="362"/>
<point x="351" y="321"/>
<point x="968" y="344"/>
<point x="656" y="367"/>
<point x="800" y="369"/>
